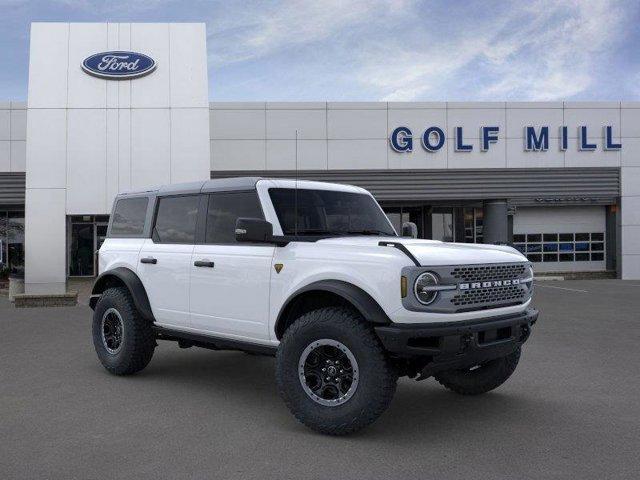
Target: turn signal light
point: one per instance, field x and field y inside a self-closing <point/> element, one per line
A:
<point x="403" y="286"/>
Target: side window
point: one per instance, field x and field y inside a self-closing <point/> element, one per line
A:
<point x="129" y="216"/>
<point x="176" y="219"/>
<point x="225" y="209"/>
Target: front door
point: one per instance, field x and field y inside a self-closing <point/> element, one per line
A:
<point x="164" y="260"/>
<point x="229" y="280"/>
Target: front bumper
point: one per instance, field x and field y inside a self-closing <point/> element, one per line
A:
<point x="453" y="345"/>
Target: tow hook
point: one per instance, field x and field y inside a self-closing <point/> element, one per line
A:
<point x="465" y="341"/>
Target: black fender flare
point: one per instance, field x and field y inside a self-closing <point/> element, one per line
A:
<point x="133" y="284"/>
<point x="364" y="303"/>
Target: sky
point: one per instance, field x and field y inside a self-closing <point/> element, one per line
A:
<point x="377" y="50"/>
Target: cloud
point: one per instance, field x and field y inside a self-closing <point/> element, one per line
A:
<point x="542" y="51"/>
<point x="260" y="29"/>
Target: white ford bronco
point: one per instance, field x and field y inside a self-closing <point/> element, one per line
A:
<point x="315" y="274"/>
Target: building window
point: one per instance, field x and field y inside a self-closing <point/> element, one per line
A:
<point x="561" y="247"/>
<point x="11" y="243"/>
<point x="473" y="220"/>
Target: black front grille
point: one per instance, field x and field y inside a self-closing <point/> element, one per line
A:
<point x="479" y="273"/>
<point x="490" y="295"/>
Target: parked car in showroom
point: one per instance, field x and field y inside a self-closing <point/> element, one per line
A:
<point x="315" y="274"/>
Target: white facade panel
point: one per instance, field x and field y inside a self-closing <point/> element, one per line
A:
<point x="18" y="156"/>
<point x="47" y="148"/>
<point x="111" y="157"/>
<point x="237" y="124"/>
<point x="471" y="119"/>
<point x="630" y="211"/>
<point x="592" y="118"/>
<point x="357" y="154"/>
<point x="281" y="155"/>
<point x="85" y="91"/>
<point x="188" y="56"/>
<point x="150" y="147"/>
<point x="356" y="124"/>
<point x="630" y="122"/>
<point x="124" y="149"/>
<point x="630" y="153"/>
<point x="418" y="157"/>
<point x="190" y="144"/>
<point x="517" y="157"/>
<point x="630" y="182"/>
<point x="5" y="124"/>
<point x="282" y="124"/>
<point x="238" y="154"/>
<point x="494" y="157"/>
<point x="630" y="237"/>
<point x="45" y="237"/>
<point x="5" y="156"/>
<point x="48" y="62"/>
<point x="86" y="161"/>
<point x="519" y="118"/>
<point x="18" y="124"/>
<point x="598" y="158"/>
<point x="152" y="91"/>
<point x="124" y="86"/>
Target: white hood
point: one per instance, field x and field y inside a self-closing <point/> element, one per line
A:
<point x="433" y="252"/>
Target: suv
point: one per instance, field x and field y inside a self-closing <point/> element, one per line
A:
<point x="315" y="275"/>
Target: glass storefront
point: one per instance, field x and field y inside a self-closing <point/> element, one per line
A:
<point x="446" y="223"/>
<point x="11" y="242"/>
<point x="85" y="236"/>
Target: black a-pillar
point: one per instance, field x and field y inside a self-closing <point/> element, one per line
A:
<point x="495" y="223"/>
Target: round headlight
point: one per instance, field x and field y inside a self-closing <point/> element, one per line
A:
<point x="422" y="288"/>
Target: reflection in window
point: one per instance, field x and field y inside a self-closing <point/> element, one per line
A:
<point x="572" y="247"/>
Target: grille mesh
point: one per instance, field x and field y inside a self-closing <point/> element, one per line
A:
<point x="478" y="273"/>
<point x="490" y="295"/>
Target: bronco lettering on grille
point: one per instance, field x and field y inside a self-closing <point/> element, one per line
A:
<point x="489" y="284"/>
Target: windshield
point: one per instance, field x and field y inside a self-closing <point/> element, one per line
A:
<point x="328" y="212"/>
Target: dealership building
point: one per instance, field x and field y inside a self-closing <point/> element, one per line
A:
<point x="114" y="107"/>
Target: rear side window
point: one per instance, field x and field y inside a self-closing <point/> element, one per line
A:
<point x="176" y="219"/>
<point x="129" y="216"/>
<point x="225" y="209"/>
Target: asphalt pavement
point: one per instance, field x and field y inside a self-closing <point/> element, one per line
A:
<point x="571" y="410"/>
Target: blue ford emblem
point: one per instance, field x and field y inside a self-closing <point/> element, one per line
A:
<point x="118" y="65"/>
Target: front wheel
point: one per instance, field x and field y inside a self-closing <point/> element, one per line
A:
<point x="480" y="378"/>
<point x="333" y="373"/>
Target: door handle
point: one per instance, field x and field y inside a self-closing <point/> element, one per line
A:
<point x="203" y="263"/>
<point x="149" y="260"/>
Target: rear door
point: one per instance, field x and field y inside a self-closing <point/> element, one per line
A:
<point x="165" y="258"/>
<point x="230" y="280"/>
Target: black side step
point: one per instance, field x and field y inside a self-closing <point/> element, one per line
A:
<point x="212" y="342"/>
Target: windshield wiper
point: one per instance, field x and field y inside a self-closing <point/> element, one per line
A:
<point x="317" y="231"/>
<point x="370" y="232"/>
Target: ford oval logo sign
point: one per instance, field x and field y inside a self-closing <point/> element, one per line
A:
<point x="118" y="65"/>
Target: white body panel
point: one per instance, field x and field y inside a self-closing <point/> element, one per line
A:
<point x="167" y="281"/>
<point x="232" y="298"/>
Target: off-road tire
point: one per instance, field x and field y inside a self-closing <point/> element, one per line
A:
<point x="482" y="379"/>
<point x="138" y="339"/>
<point x="377" y="377"/>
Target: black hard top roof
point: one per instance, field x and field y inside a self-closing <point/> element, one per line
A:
<point x="207" y="186"/>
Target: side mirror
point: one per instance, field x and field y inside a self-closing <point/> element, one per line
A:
<point x="409" y="229"/>
<point x="253" y="230"/>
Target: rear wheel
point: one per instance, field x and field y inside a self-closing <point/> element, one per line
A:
<point x="480" y="378"/>
<point x="123" y="340"/>
<point x="332" y="372"/>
